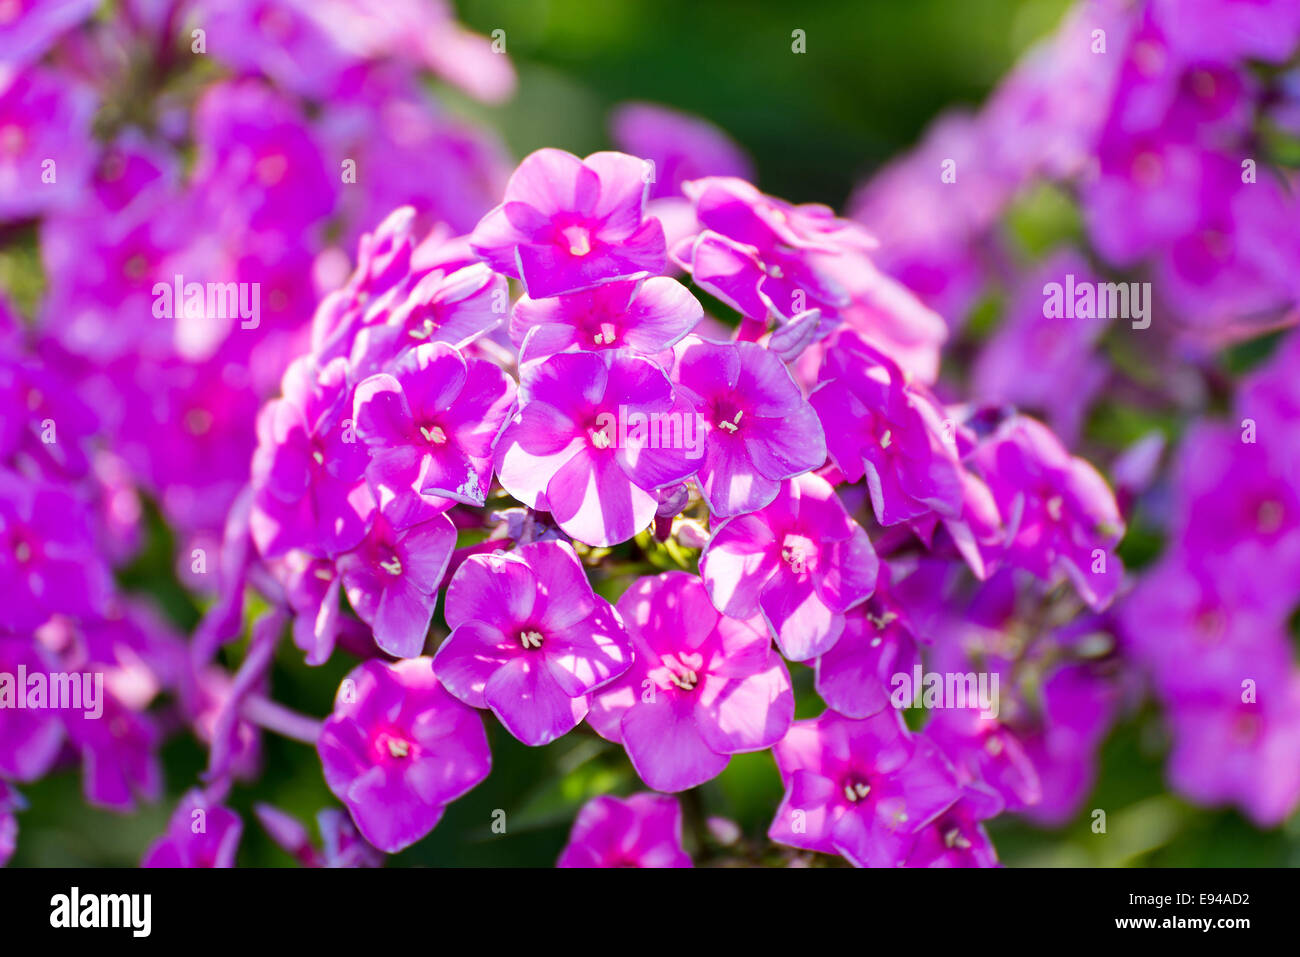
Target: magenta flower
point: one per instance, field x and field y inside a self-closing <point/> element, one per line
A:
<point x="430" y="426"/>
<point x="45" y="120"/>
<point x="30" y="738"/>
<point x="760" y="428"/>
<point x="258" y="160"/>
<point x="48" y="558"/>
<point x="119" y="754"/>
<point x="1069" y="522"/>
<point x="398" y="748"/>
<point x="702" y="686"/>
<point x="595" y="435"/>
<point x="307" y="471"/>
<point x="763" y="256"/>
<point x="343" y="845"/>
<point x="201" y="833"/>
<point x="392" y="580"/>
<point x="862" y="789"/>
<point x="801" y="562"/>
<point x="646" y="317"/>
<point x="1240" y="744"/>
<point x="644" y="830"/>
<point x="955" y="839"/>
<point x="880" y="426"/>
<point x="568" y="224"/>
<point x="30" y="29"/>
<point x="529" y="639"/>
<point x="854" y="675"/>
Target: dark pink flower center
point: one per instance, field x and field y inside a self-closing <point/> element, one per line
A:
<point x="25" y="546"/>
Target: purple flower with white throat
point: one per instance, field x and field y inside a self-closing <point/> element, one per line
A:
<point x="201" y="833"/>
<point x="430" y="426"/>
<point x="644" y="830"/>
<point x="1068" y="521"/>
<point x="398" y="748"/>
<point x="307" y="470"/>
<point x="881" y="426"/>
<point x="392" y="580"/>
<point x="801" y="562"/>
<point x="646" y="317"/>
<point x="862" y="789"/>
<point x="595" y="435"/>
<point x="760" y="428"/>
<point x="702" y="686"/>
<point x="568" y="224"/>
<point x="529" y="639"/>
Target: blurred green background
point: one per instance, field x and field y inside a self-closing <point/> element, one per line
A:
<point x="874" y="75"/>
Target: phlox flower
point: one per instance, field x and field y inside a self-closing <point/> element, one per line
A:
<point x="392" y="579"/>
<point x="572" y="450"/>
<point x="568" y="224"/>
<point x="881" y="426"/>
<point x="646" y="317"/>
<point x="760" y="428"/>
<point x="701" y="688"/>
<point x="308" y="467"/>
<point x="682" y="147"/>
<point x="956" y="838"/>
<point x="398" y="748"/>
<point x="49" y="563"/>
<point x="801" y="562"/>
<point x="1241" y="747"/>
<point x="644" y="830"/>
<point x="763" y="256"/>
<point x="859" y="788"/>
<point x="185" y="845"/>
<point x="45" y="118"/>
<point x="1068" y="520"/>
<point x="854" y="676"/>
<point x="30" y="738"/>
<point x="529" y="639"/>
<point x="429" y="426"/>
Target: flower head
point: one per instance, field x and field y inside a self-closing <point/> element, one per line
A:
<point x="568" y="224"/>
<point x="891" y="431"/>
<point x="430" y="426"/>
<point x="760" y="428"/>
<point x="644" y="830"/>
<point x="859" y="788"/>
<point x="801" y="562"/>
<point x="398" y="748"/>
<point x="595" y="435"/>
<point x="701" y="688"/>
<point x="529" y="639"/>
<point x="201" y="833"/>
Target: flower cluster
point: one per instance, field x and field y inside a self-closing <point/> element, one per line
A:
<point x="623" y="447"/>
<point x="1169" y="130"/>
